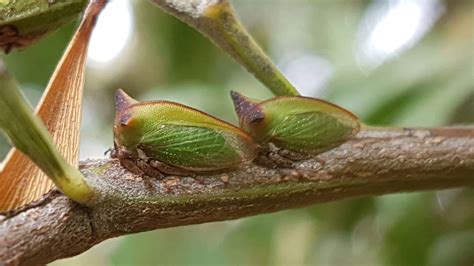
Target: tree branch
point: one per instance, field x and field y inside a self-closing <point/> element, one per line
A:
<point x="375" y="162"/>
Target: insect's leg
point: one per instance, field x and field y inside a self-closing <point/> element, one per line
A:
<point x="269" y="156"/>
<point x="298" y="156"/>
<point x="169" y="169"/>
<point x="131" y="166"/>
<point x="112" y="152"/>
<point x="148" y="169"/>
<point x="293" y="155"/>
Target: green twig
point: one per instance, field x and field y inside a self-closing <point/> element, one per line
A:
<point x="28" y="134"/>
<point x="217" y="20"/>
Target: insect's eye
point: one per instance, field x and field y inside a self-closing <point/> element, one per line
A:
<point x="124" y="120"/>
<point x="256" y="117"/>
<point x="256" y="120"/>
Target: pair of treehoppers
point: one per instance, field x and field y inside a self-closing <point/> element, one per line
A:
<point x="163" y="137"/>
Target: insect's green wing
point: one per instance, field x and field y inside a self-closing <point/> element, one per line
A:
<point x="190" y="147"/>
<point x="309" y="131"/>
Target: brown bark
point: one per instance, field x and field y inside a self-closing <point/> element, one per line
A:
<point x="375" y="162"/>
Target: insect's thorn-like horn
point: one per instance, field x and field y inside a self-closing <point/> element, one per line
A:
<point x="245" y="107"/>
<point x="123" y="100"/>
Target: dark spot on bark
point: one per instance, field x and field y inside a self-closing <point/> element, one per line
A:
<point x="8" y="37"/>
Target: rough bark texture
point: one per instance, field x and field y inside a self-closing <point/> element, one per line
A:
<point x="375" y="162"/>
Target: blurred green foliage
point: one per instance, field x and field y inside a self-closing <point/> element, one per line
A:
<point x="428" y="84"/>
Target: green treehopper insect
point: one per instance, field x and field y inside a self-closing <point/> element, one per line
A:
<point x="295" y="126"/>
<point x="158" y="137"/>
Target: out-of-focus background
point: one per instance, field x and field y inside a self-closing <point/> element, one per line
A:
<point x="392" y="62"/>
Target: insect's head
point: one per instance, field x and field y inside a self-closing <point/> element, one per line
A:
<point x="123" y="117"/>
